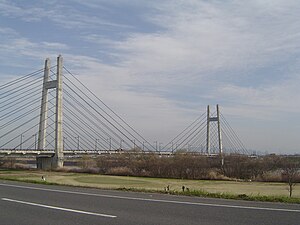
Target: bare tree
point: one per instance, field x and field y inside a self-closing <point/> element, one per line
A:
<point x="290" y="173"/>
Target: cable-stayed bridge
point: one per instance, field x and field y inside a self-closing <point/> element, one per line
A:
<point x="50" y="113"/>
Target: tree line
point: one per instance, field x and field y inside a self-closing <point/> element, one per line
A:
<point x="189" y="166"/>
<point x="270" y="168"/>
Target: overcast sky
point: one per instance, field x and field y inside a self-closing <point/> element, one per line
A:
<point x="159" y="63"/>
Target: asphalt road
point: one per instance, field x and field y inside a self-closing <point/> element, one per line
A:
<point x="32" y="204"/>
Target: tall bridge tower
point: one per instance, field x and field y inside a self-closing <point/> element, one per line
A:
<point x="209" y="120"/>
<point x="217" y="120"/>
<point x="56" y="161"/>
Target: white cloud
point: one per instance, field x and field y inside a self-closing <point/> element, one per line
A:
<point x="202" y="52"/>
<point x="215" y="36"/>
<point x="5" y="31"/>
<point x="54" y="45"/>
<point x="62" y="14"/>
<point x="25" y="47"/>
<point x="202" y="39"/>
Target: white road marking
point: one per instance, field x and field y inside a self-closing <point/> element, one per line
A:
<point x="58" y="208"/>
<point x="154" y="200"/>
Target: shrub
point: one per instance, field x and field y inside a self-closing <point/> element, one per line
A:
<point x="120" y="171"/>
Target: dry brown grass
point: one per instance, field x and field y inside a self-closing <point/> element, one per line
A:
<point x="113" y="182"/>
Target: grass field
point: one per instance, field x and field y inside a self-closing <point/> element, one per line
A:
<point x="153" y="184"/>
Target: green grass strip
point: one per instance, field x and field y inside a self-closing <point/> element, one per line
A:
<point x="195" y="193"/>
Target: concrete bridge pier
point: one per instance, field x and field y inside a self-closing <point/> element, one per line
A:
<point x="48" y="163"/>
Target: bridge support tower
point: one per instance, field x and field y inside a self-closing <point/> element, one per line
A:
<point x="57" y="160"/>
<point x="209" y="120"/>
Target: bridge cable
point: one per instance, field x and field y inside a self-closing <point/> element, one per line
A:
<point x="108" y="108"/>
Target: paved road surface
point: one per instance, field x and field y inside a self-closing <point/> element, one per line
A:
<point x="32" y="204"/>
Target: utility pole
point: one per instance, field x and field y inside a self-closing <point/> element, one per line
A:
<point x="160" y="144"/>
<point x="64" y="140"/>
<point x="121" y="141"/>
<point x="96" y="144"/>
<point x="21" y="141"/>
<point x="34" y="140"/>
<point x="77" y="137"/>
<point x="155" y="145"/>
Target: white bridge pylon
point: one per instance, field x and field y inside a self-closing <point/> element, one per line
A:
<point x="57" y="160"/>
<point x="209" y="120"/>
<point x="214" y="119"/>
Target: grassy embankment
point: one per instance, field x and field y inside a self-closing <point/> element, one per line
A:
<point x="255" y="191"/>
